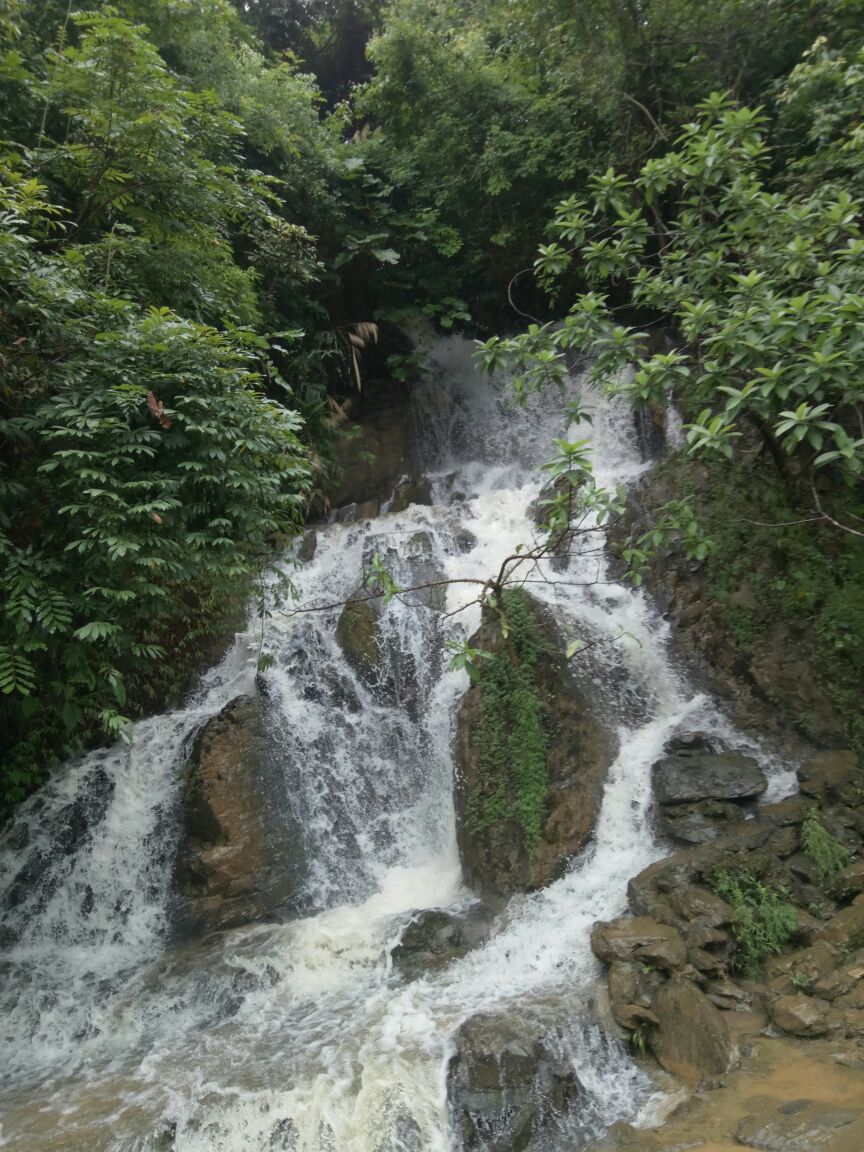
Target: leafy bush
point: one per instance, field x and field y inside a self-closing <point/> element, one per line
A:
<point x="764" y="919"/>
<point x="825" y="850"/>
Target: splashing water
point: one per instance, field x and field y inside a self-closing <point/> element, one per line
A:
<point x="298" y="1036"/>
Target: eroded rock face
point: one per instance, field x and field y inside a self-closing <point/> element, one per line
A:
<point x="234" y="863"/>
<point x="505" y="1085"/>
<point x="495" y="858"/>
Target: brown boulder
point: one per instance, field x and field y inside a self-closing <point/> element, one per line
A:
<point x="800" y="1015"/>
<point x="496" y="855"/>
<point x="237" y="854"/>
<point x="832" y="776"/>
<point x="691" y="1039"/>
<point x="638" y="937"/>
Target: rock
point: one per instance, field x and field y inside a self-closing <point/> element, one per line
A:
<point x="495" y="855"/>
<point x="505" y="1086"/>
<point x="799" y="1015"/>
<point x="376" y="455"/>
<point x="237" y="858"/>
<point x="698" y="823"/>
<point x="691" y="1040"/>
<point x="701" y="907"/>
<point x="727" y="996"/>
<point x="714" y="776"/>
<point x="693" y="744"/>
<point x="384" y="658"/>
<point x="368" y="509"/>
<point x="415" y="490"/>
<point x="849" y="881"/>
<point x="631" y="989"/>
<point x="357" y="636"/>
<point x="345" y="515"/>
<point x="641" y="938"/>
<point x="832" y="777"/>
<point x="801" y="1126"/>
<point x="434" y="937"/>
<point x="308" y="545"/>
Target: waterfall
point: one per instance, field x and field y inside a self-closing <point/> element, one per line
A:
<point x="297" y="1035"/>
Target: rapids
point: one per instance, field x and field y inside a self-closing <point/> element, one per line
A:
<point x="297" y="1036"/>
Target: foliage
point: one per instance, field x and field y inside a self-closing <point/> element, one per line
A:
<point x="151" y="454"/>
<point x="825" y="850"/>
<point x="512" y="741"/>
<point x="764" y="287"/>
<point x="771" y="568"/>
<point x="764" y="919"/>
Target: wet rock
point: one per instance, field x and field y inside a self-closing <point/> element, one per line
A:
<point x="368" y="509"/>
<point x="505" y="1085"/>
<point x="495" y="856"/>
<point x="632" y="987"/>
<point x="357" y="636"/>
<point x="164" y="1139"/>
<point x="347" y="514"/>
<point x="376" y="454"/>
<point x="385" y="658"/>
<point x="701" y="907"/>
<point x="800" y="1015"/>
<point x="698" y="823"/>
<point x="641" y="938"/>
<point x="727" y="996"/>
<point x="434" y="937"/>
<point x="415" y="490"/>
<point x="691" y="1039"/>
<point x="833" y="777"/>
<point x="308" y="545"/>
<point x="802" y="1126"/>
<point x="238" y="853"/>
<point x="693" y="744"/>
<point x="714" y="776"/>
<point x="849" y="881"/>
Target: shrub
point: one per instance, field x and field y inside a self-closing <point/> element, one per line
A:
<point x="764" y="919"/>
<point x="825" y="850"/>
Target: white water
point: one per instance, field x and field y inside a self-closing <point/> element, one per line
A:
<point x="298" y="1035"/>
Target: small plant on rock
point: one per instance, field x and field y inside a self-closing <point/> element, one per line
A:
<point x="764" y="919"/>
<point x="639" y="1038"/>
<point x="800" y="981"/>
<point x="825" y="850"/>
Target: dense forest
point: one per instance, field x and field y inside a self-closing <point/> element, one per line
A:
<point x="215" y="218"/>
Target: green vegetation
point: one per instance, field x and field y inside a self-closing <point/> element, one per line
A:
<point x="825" y="850"/>
<point x="207" y="210"/>
<point x="770" y="568"/>
<point x="764" y="919"/>
<point x="511" y="781"/>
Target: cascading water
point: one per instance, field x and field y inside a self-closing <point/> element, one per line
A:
<point x="298" y="1035"/>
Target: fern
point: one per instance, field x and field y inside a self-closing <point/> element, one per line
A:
<point x="825" y="850"/>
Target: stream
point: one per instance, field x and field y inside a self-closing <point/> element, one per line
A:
<point x="298" y="1035"/>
